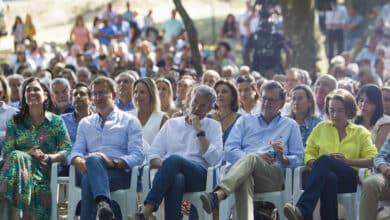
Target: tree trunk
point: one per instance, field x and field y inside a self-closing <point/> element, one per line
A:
<point x="301" y="26"/>
<point x="192" y="37"/>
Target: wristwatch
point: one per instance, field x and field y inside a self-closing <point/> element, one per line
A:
<point x="48" y="160"/>
<point x="201" y="134"/>
<point x="116" y="163"/>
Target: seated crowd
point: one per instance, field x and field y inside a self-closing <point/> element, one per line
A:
<point x="104" y="108"/>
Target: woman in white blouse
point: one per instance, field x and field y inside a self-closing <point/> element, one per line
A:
<point x="147" y="103"/>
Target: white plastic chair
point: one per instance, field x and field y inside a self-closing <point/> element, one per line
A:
<point x="347" y="200"/>
<point x="193" y="197"/>
<point x="55" y="180"/>
<point x="126" y="198"/>
<point x="278" y="198"/>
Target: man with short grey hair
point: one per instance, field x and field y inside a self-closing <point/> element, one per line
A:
<point x="61" y="94"/>
<point x="194" y="144"/>
<point x="322" y="87"/>
<point x="260" y="147"/>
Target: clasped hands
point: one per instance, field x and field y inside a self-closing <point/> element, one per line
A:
<point x="79" y="162"/>
<point x="38" y="154"/>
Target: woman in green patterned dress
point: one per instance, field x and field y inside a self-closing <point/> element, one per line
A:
<point x="34" y="139"/>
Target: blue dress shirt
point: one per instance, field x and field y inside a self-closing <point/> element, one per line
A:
<point x="128" y="107"/>
<point x="119" y="138"/>
<point x="251" y="134"/>
<point x="71" y="125"/>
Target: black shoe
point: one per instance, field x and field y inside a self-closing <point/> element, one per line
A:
<point x="209" y="201"/>
<point x="104" y="211"/>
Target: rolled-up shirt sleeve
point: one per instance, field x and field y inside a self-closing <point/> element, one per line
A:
<point x="382" y="155"/>
<point x="294" y="151"/>
<point x="213" y="155"/>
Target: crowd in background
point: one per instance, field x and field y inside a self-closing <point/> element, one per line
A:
<point x="154" y="74"/>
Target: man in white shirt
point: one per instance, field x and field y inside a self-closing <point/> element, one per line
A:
<point x="182" y="150"/>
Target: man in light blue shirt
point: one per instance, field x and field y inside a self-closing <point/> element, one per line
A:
<point x="182" y="151"/>
<point x="108" y="144"/>
<point x="259" y="147"/>
<point x="172" y="28"/>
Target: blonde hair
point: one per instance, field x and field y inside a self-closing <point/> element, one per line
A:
<point x="153" y="93"/>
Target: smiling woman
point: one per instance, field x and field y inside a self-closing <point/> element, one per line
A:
<point x="35" y="138"/>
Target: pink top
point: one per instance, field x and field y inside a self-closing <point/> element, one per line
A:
<point x="80" y="35"/>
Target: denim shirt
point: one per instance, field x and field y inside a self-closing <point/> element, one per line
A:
<point x="306" y="129"/>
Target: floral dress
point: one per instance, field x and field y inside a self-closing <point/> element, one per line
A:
<point x="24" y="181"/>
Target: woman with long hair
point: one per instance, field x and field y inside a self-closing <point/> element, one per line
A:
<point x="369" y="100"/>
<point x="29" y="30"/>
<point x="303" y="110"/>
<point x="17" y="31"/>
<point x="35" y="138"/>
<point x="226" y="108"/>
<point x="229" y="31"/>
<point x="165" y="91"/>
<point x="147" y="103"/>
<point x="80" y="33"/>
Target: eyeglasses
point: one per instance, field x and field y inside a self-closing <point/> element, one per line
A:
<point x="100" y="93"/>
<point x="270" y="100"/>
<point x="123" y="81"/>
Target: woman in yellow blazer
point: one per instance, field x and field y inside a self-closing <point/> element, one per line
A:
<point x="334" y="150"/>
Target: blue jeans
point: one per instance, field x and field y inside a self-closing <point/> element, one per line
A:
<point x="99" y="181"/>
<point x="327" y="178"/>
<point x="175" y="177"/>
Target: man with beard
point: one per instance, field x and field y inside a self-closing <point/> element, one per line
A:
<point x="60" y="89"/>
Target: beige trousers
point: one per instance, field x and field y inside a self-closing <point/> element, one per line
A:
<point x="251" y="174"/>
<point x="375" y="188"/>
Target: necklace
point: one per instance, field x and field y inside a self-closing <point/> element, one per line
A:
<point x="221" y="119"/>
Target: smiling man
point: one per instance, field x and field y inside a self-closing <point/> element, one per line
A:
<point x="182" y="151"/>
<point x="108" y="145"/>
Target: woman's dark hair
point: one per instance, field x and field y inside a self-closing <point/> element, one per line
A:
<point x="18" y="20"/>
<point x="373" y="94"/>
<point x="234" y="105"/>
<point x="24" y="109"/>
<point x="250" y="80"/>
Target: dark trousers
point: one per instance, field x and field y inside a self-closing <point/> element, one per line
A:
<point x="327" y="178"/>
<point x="175" y="177"/>
<point x="334" y="38"/>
